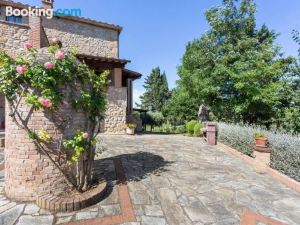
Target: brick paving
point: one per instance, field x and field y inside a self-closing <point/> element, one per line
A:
<point x="172" y="180"/>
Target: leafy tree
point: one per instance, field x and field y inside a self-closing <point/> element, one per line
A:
<point x="157" y="91"/>
<point x="290" y="111"/>
<point x="235" y="68"/>
<point x="181" y="107"/>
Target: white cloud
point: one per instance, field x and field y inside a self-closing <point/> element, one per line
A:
<point x="136" y="96"/>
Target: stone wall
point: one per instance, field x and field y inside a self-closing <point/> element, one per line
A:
<point x="115" y="119"/>
<point x="89" y="39"/>
<point x="2" y="13"/>
<point x="29" y="173"/>
<point x="13" y="36"/>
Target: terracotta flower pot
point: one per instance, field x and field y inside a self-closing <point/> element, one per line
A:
<point x="130" y="131"/>
<point x="261" y="142"/>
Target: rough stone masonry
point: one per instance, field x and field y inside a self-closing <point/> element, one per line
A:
<point x="87" y="36"/>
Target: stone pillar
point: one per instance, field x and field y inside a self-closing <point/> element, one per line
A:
<point x="117" y="73"/>
<point x="262" y="158"/>
<point x="115" y="118"/>
<point x="28" y="172"/>
<point x="211" y="133"/>
<point x="35" y="31"/>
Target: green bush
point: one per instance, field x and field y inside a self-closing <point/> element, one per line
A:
<point x="157" y="118"/>
<point x="180" y="130"/>
<point x="197" y="129"/>
<point x="167" y="128"/>
<point x="190" y="126"/>
<point x="153" y="119"/>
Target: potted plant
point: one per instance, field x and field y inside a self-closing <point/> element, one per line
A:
<point x="130" y="128"/>
<point x="261" y="140"/>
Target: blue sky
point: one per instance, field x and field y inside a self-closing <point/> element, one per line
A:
<point x="155" y="32"/>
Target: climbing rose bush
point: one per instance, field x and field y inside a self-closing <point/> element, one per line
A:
<point x="21" y="69"/>
<point x="59" y="55"/>
<point x="39" y="84"/>
<point x="28" y="46"/>
<point x="45" y="102"/>
<point x="49" y="65"/>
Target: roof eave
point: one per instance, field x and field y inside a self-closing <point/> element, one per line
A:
<point x="72" y="18"/>
<point x="134" y="75"/>
<point x="18" y="5"/>
<point x="92" y="22"/>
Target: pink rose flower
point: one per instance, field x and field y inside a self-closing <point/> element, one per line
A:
<point x="59" y="55"/>
<point x="28" y="45"/>
<point x="21" y="69"/>
<point x="55" y="40"/>
<point x="45" y="102"/>
<point x="85" y="135"/>
<point x="49" y="65"/>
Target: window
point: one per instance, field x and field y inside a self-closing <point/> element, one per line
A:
<point x="14" y="19"/>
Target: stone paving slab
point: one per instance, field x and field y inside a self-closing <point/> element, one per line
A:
<point x="172" y="180"/>
<point x="184" y="181"/>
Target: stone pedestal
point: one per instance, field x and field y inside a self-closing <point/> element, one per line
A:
<point x="211" y="133"/>
<point x="262" y="158"/>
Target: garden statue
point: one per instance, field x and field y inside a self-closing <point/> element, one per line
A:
<point x="203" y="113"/>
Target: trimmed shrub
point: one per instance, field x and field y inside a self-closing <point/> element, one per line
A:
<point x="197" y="129"/>
<point x="180" y="130"/>
<point x="152" y="118"/>
<point x="237" y="137"/>
<point x="157" y="118"/>
<point x="190" y="126"/>
<point x="285" y="155"/>
<point x="168" y="128"/>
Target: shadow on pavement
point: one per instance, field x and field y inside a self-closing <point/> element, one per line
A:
<point x="137" y="166"/>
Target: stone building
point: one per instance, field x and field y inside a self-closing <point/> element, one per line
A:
<point x="98" y="46"/>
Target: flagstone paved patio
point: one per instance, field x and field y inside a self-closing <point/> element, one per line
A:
<point x="172" y="180"/>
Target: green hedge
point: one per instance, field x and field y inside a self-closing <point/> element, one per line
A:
<point x="237" y="137"/>
<point x="197" y="129"/>
<point x="285" y="155"/>
<point x="190" y="126"/>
